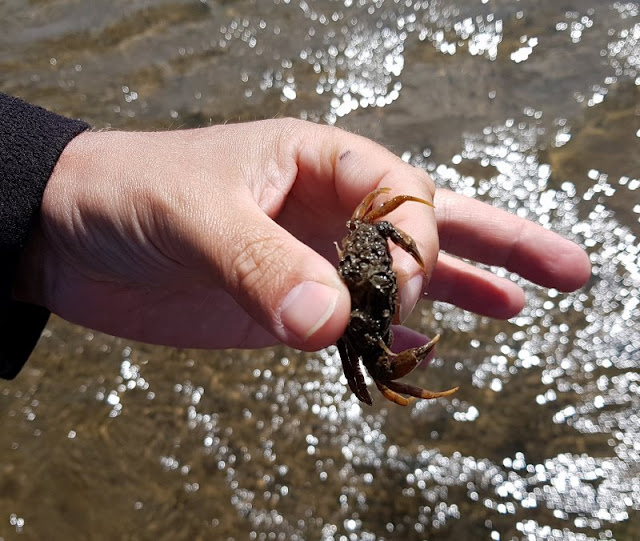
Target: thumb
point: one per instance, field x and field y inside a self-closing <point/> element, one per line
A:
<point x="294" y="292"/>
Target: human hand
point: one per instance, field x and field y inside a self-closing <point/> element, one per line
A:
<point x="223" y="236"/>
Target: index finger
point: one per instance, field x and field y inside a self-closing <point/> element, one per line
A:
<point x="368" y="167"/>
<point x="356" y="166"/>
<point x="335" y="166"/>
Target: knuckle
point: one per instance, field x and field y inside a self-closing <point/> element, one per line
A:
<point x="258" y="266"/>
<point x="427" y="182"/>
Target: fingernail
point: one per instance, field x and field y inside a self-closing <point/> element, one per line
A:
<point x="307" y="307"/>
<point x="411" y="294"/>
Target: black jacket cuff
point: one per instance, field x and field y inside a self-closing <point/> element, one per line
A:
<point x="31" y="141"/>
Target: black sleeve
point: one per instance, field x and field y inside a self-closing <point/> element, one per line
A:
<point x="31" y="141"/>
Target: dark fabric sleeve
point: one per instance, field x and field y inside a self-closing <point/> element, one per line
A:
<point x="31" y="141"/>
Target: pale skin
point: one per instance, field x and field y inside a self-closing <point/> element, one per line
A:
<point x="222" y="237"/>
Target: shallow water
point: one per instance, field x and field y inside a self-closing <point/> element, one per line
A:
<point x="531" y="105"/>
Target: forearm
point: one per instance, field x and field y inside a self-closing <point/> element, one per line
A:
<point x="31" y="141"/>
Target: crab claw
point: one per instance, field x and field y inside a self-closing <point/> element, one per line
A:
<point x="400" y="365"/>
<point x="404" y="362"/>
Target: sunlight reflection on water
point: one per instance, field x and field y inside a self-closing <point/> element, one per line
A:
<point x="542" y="441"/>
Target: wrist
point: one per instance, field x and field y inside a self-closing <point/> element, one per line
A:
<point x="34" y="269"/>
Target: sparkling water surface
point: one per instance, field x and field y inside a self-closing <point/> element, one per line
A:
<point x="532" y="106"/>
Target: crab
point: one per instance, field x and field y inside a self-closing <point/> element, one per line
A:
<point x="365" y="266"/>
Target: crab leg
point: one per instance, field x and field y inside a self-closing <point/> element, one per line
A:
<point x="417" y="391"/>
<point x="390" y="205"/>
<point x="351" y="368"/>
<point x="367" y="203"/>
<point x="399" y="237"/>
<point x="392" y="395"/>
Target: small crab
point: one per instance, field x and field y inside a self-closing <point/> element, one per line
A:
<point x="365" y="267"/>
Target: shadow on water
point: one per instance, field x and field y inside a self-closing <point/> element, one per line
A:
<point x="531" y="106"/>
